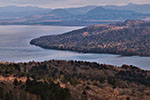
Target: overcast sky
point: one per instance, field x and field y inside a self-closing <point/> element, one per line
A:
<point x="68" y="3"/>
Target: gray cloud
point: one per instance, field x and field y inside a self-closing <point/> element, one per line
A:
<point x="68" y="3"/>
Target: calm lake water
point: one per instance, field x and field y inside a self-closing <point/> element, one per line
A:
<point x="14" y="46"/>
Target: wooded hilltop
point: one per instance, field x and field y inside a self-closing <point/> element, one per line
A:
<point x="72" y="80"/>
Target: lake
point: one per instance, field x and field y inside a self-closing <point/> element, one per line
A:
<point x="15" y="47"/>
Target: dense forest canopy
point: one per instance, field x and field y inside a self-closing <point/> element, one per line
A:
<point x="72" y="80"/>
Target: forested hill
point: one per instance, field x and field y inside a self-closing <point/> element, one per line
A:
<point x="131" y="37"/>
<point x="72" y="80"/>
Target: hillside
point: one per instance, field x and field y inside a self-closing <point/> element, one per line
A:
<point x="100" y="13"/>
<point x="60" y="13"/>
<point x="80" y="10"/>
<point x="131" y="37"/>
<point x="72" y="80"/>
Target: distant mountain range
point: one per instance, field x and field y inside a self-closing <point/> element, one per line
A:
<point x="14" y="12"/>
<point x="100" y="13"/>
<point x="73" y="16"/>
<point x="131" y="37"/>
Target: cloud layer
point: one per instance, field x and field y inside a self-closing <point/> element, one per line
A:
<point x="68" y="3"/>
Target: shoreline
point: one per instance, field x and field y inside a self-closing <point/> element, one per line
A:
<point x="83" y="52"/>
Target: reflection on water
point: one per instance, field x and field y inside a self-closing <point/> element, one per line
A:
<point x="14" y="46"/>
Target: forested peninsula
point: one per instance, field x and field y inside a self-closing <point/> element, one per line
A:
<point x="131" y="37"/>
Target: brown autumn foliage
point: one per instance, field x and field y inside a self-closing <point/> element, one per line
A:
<point x="131" y="37"/>
<point x="72" y="80"/>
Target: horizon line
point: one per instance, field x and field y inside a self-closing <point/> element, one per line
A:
<point x="73" y="6"/>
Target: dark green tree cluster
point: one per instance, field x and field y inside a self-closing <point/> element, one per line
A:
<point x="5" y="95"/>
<point x="47" y="91"/>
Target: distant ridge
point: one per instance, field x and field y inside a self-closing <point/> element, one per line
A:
<point x="60" y="13"/>
<point x="80" y="10"/>
<point x="142" y="8"/>
<point x="79" y="16"/>
<point x="100" y="13"/>
<point x="16" y="12"/>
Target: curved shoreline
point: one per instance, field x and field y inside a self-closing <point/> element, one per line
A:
<point x="78" y="51"/>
